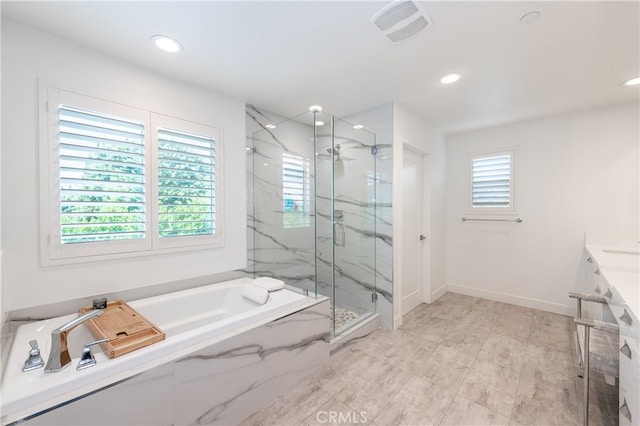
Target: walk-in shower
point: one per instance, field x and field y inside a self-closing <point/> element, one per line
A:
<point x="314" y="188"/>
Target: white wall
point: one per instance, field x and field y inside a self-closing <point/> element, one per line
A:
<point x="27" y="56"/>
<point x="410" y="130"/>
<point x="575" y="173"/>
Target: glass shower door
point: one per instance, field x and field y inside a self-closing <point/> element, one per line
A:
<point x="282" y="160"/>
<point x="353" y="218"/>
<point x="314" y="186"/>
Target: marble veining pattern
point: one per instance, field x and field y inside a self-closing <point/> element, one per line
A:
<point x="216" y="385"/>
<point x="253" y="366"/>
<point x="363" y="265"/>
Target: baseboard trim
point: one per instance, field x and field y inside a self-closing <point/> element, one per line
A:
<point x="397" y="322"/>
<point x="438" y="293"/>
<point x="526" y="302"/>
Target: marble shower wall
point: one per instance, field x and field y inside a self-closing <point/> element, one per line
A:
<point x="288" y="253"/>
<point x="379" y="120"/>
<point x="273" y="250"/>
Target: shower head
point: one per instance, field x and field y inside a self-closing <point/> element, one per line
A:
<point x="335" y="151"/>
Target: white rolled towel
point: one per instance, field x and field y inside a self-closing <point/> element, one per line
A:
<point x="255" y="294"/>
<point x="268" y="283"/>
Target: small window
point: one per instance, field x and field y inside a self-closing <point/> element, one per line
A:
<point x="492" y="182"/>
<point x="295" y="191"/>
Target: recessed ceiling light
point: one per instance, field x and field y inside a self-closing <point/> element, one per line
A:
<point x="270" y="126"/>
<point x="450" y="78"/>
<point x="319" y="123"/>
<point x="166" y="43"/>
<point x="529" y="17"/>
<point x="632" y="81"/>
<point x="315" y="108"/>
<point x="358" y="126"/>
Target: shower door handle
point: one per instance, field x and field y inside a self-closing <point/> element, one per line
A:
<point x="339" y="235"/>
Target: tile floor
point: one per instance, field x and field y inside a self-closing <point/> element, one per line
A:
<point x="459" y="361"/>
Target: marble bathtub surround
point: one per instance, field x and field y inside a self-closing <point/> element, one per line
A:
<point x="459" y="361"/>
<point x="218" y="384"/>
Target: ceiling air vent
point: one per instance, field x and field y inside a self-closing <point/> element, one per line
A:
<point x="401" y="20"/>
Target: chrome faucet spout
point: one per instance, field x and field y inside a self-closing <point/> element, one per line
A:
<point x="59" y="356"/>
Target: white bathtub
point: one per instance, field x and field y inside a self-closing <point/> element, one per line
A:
<point x="192" y="319"/>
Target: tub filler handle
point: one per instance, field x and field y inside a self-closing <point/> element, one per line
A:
<point x="87" y="359"/>
<point x="35" y="360"/>
<point x="59" y="356"/>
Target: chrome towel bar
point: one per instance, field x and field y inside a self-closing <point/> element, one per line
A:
<point x="464" y="219"/>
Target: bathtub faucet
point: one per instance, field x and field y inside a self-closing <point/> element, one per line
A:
<point x="59" y="356"/>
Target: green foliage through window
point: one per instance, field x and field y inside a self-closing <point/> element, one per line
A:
<point x="102" y="183"/>
<point x="104" y="189"/>
<point x="186" y="182"/>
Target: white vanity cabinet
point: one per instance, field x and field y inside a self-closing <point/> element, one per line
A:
<point x="595" y="277"/>
<point x="595" y="285"/>
<point x="625" y="314"/>
<point x="618" y="280"/>
<point x="629" y="401"/>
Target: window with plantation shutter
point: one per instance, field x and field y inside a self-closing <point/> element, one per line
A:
<point x="492" y="179"/>
<point x="295" y="191"/>
<point x="120" y="181"/>
<point x="186" y="183"/>
<point x="102" y="179"/>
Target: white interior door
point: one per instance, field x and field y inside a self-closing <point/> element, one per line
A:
<point x="412" y="233"/>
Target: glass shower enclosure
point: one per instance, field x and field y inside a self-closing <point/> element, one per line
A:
<point x="314" y="186"/>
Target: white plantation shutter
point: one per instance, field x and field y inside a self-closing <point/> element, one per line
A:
<point x="120" y="181"/>
<point x="295" y="191"/>
<point x="492" y="182"/>
<point x="186" y="183"/>
<point x="101" y="177"/>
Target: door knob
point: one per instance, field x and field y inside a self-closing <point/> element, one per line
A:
<point x="422" y="237"/>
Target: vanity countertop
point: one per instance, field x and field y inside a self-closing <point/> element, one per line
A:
<point x="617" y="257"/>
<point x="620" y="266"/>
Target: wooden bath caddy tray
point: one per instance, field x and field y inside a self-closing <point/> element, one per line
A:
<point x="125" y="328"/>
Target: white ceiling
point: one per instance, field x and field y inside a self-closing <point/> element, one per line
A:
<point x="287" y="55"/>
